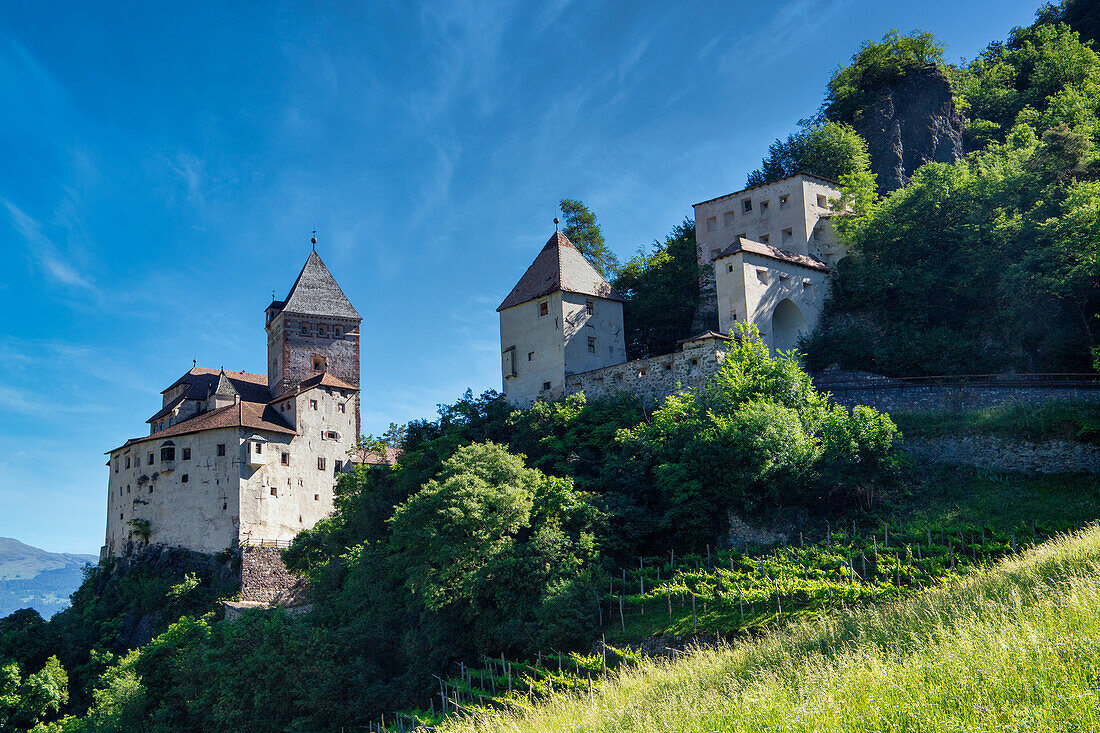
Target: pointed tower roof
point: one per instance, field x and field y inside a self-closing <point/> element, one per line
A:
<point x="316" y="293"/>
<point x="224" y="387"/>
<point x="559" y="266"/>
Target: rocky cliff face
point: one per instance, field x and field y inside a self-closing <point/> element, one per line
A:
<point x="912" y="122"/>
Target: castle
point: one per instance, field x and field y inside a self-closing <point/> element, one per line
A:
<point x="234" y="458"/>
<point x="764" y="255"/>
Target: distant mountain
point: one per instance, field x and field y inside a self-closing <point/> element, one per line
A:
<point x="34" y="578"/>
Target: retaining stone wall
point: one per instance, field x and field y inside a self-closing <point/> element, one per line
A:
<point x="888" y="395"/>
<point x="656" y="377"/>
<point x="1003" y="454"/>
<point x="265" y="578"/>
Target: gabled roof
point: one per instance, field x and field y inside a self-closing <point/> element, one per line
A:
<point x="559" y="266"/>
<point x="326" y="380"/>
<point x="240" y="415"/>
<point x="315" y="293"/>
<point x="766" y="250"/>
<point x="168" y="408"/>
<point x="251" y="387"/>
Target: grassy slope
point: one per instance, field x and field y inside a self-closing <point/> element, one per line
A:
<point x="1068" y="420"/>
<point x="1012" y="649"/>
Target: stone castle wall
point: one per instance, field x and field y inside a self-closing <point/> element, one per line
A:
<point x="889" y="395"/>
<point x="1004" y="454"/>
<point x="266" y="579"/>
<point x="656" y="377"/>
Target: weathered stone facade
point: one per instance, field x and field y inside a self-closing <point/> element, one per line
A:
<point x="792" y="216"/>
<point x="656" y="377"/>
<point x="228" y="459"/>
<point x="266" y="579"/>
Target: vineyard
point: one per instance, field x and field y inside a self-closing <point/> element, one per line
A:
<point x="661" y="606"/>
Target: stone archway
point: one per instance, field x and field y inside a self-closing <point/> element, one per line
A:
<point x="788" y="325"/>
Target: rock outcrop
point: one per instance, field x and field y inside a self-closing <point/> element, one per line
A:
<point x="912" y="121"/>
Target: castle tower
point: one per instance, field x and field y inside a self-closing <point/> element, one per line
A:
<point x="561" y="318"/>
<point x="314" y="331"/>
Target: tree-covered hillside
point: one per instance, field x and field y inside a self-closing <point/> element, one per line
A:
<point x="991" y="263"/>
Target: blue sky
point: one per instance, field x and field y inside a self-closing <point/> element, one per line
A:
<point x="164" y="165"/>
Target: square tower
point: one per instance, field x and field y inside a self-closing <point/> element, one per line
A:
<point x="561" y="318"/>
<point x="314" y="331"/>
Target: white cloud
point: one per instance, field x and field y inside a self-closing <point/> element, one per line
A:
<point x="41" y="250"/>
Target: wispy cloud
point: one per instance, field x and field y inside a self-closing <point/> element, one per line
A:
<point x="41" y="250"/>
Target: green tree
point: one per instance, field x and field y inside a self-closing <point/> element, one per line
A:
<point x="661" y="291"/>
<point x="584" y="232"/>
<point x="832" y="150"/>
<point x="850" y="91"/>
<point x="24" y="703"/>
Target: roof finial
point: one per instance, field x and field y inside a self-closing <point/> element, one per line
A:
<point x="556" y="222"/>
<point x="313" y="240"/>
<point x="194" y="363"/>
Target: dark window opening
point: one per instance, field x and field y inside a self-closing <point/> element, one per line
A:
<point x="221" y="449"/>
<point x="184" y="478"/>
<point x="187" y="454"/>
<point x="321" y="464"/>
<point x="285" y="460"/>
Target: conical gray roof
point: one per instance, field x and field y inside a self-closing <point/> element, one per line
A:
<point x="559" y="266"/>
<point x="225" y="387"/>
<point x="315" y="293"/>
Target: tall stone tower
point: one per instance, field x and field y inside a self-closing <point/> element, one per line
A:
<point x="314" y="331"/>
<point x="561" y="318"/>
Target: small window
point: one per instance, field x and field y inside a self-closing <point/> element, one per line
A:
<point x="729" y="268"/>
<point x="150" y="488"/>
<point x="127" y="488"/>
<point x="332" y="435"/>
<point x="695" y="362"/>
<point x="120" y="515"/>
<point x="225" y="505"/>
<point x="712" y="223"/>
<point x="733" y="315"/>
<point x="316" y="497"/>
<point x="127" y="461"/>
<point x="546" y="385"/>
<point x="259" y="448"/>
<point x="783" y="202"/>
<point x="668" y="366"/>
<point x="764" y="206"/>
<point x="788" y="235"/>
<point x="285" y="459"/>
<point x="322" y="331"/>
<point x="338" y="332"/>
<point x="341" y="407"/>
<point x="530" y="355"/>
<point x="318" y="363"/>
<point x="338" y="466"/>
<point x="765" y="238"/>
<point x="822" y="201"/>
<point x="727" y="218"/>
<point x="187" y="454"/>
<point x="149" y="462"/>
<point x="544" y="308"/>
<point x="167" y="453"/>
<point x="746" y="205"/>
<point x="321" y="463"/>
<point x="589" y="307"/>
<point x="304" y="329"/>
<point x="591" y="345"/>
<point x="313" y="404"/>
<point x="184" y="478"/>
<point x="762" y="275"/>
<point x="221" y="449"/>
<point x="275" y="491"/>
<point x="116" y="465"/>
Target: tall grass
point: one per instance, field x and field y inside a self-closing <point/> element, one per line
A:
<point x="1015" y="648"/>
<point x="1064" y="420"/>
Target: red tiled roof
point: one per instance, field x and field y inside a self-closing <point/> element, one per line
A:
<point x="559" y="266"/>
<point x="251" y="387"/>
<point x="324" y="379"/>
<point x="375" y="458"/>
<point x="241" y="415"/>
<point x="766" y="250"/>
